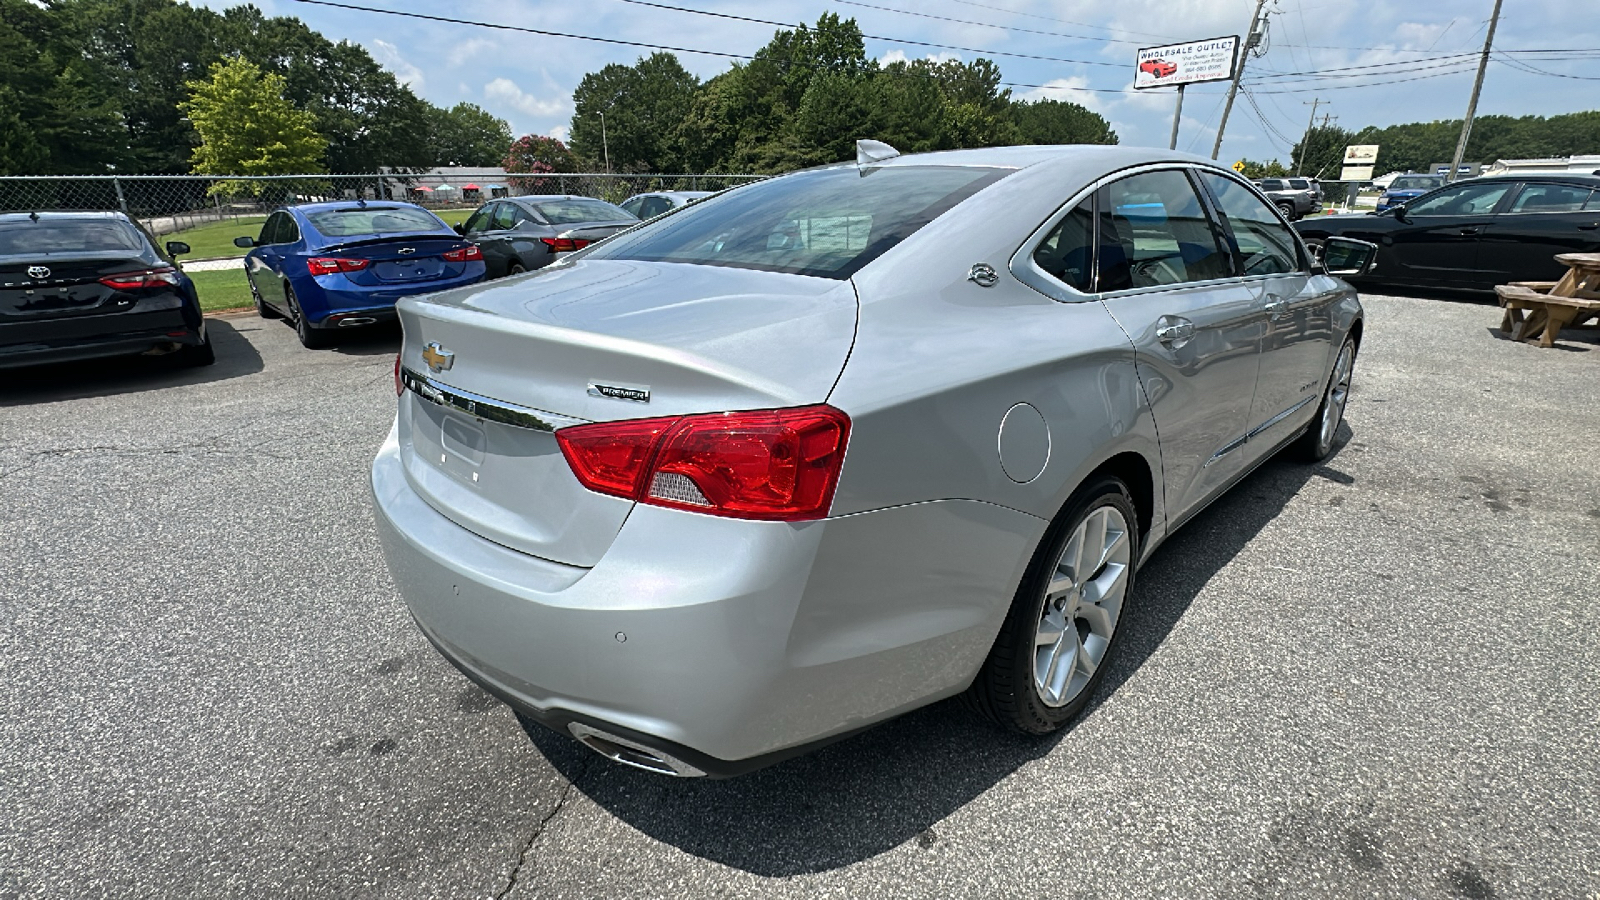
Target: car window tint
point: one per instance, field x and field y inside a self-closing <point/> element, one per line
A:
<point x="1300" y="184"/>
<point x="1265" y="246"/>
<point x="1464" y="200"/>
<point x="1594" y="202"/>
<point x="1422" y="183"/>
<point x="1067" y="253"/>
<point x="288" y="230"/>
<point x="1154" y="232"/>
<point x="479" y="221"/>
<point x="823" y="222"/>
<point x="27" y="237"/>
<point x="1550" y="198"/>
<point x="633" y="204"/>
<point x="505" y="216"/>
<point x="373" y="220"/>
<point x="269" y="229"/>
<point x="574" y="210"/>
<point x="655" y="206"/>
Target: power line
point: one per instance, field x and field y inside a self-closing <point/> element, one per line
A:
<point x="877" y="37"/>
<point x="1522" y="66"/>
<point x="907" y="12"/>
<point x="1460" y="68"/>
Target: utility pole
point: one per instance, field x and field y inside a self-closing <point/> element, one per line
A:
<point x="1253" y="38"/>
<point x="1305" y="142"/>
<point x="604" y="147"/>
<point x="1472" y="105"/>
<point x="1177" y="115"/>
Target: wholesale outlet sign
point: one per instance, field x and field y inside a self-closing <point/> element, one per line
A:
<point x="1179" y="64"/>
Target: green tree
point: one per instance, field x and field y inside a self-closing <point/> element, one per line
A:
<point x="642" y="106"/>
<point x="247" y="127"/>
<point x="1059" y="122"/>
<point x="535" y="154"/>
<point x="467" y="135"/>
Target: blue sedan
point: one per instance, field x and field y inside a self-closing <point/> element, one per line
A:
<point x="327" y="266"/>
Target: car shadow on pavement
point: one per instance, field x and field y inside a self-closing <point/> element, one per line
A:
<point x="236" y="356"/>
<point x="894" y="783"/>
<point x="372" y="340"/>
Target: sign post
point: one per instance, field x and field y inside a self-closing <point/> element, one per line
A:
<point x="1179" y="65"/>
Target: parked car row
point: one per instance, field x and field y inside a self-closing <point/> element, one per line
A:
<point x="1295" y="197"/>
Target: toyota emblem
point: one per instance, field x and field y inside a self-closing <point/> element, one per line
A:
<point x="38" y="272"/>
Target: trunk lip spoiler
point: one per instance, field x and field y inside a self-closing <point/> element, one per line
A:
<point x="486" y="408"/>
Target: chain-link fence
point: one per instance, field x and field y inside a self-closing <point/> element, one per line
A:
<point x="172" y="204"/>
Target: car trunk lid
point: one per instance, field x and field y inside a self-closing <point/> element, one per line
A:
<point x="401" y="259"/>
<point x="46" y="286"/>
<point x="595" y="340"/>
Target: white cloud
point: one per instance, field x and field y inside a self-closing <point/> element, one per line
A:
<point x="388" y="56"/>
<point x="561" y="133"/>
<point x="894" y="56"/>
<point x="1068" y="89"/>
<point x="506" y="92"/>
<point x="468" y="50"/>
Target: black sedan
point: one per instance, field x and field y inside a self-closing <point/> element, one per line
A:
<point x="520" y="234"/>
<point x="78" y="285"/>
<point x="1473" y="235"/>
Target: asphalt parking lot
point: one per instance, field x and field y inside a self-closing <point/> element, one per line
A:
<point x="1375" y="677"/>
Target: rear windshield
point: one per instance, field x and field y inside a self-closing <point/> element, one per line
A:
<point x="372" y="220"/>
<point x="573" y="210"/>
<point x="26" y="237"/>
<point x="827" y="222"/>
<point x="1415" y="184"/>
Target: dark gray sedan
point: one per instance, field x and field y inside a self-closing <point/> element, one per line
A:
<point x="520" y="234"/>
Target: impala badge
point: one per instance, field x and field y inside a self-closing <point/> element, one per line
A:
<point x="636" y="393"/>
<point x="38" y="273"/>
<point x="438" y="358"/>
<point x="983" y="275"/>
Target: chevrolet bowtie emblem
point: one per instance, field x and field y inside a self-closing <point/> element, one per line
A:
<point x="437" y="357"/>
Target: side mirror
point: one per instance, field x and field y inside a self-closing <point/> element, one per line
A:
<point x="1348" y="257"/>
<point x="1399" y="212"/>
<point x="177" y="248"/>
<point x="460" y="227"/>
<point x="244" y="242"/>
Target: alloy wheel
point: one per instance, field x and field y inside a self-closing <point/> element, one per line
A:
<point x="1338" y="394"/>
<point x="1082" y="606"/>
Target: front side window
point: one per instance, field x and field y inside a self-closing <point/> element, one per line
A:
<point x="288" y="230"/>
<point x="479" y="221"/>
<point x="1067" y="253"/>
<point x="633" y="205"/>
<point x="1154" y="232"/>
<point x="1265" y="246"/>
<point x="654" y="206"/>
<point x="824" y="222"/>
<point x="269" y="229"/>
<point x="1465" y="200"/>
<point x="1550" y="198"/>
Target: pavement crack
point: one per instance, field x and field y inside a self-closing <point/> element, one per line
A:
<point x="527" y="847"/>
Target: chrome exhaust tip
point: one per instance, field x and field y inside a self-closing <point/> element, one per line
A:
<point x="356" y="320"/>
<point x="632" y="753"/>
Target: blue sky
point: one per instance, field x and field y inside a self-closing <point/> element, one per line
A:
<point x="528" y="79"/>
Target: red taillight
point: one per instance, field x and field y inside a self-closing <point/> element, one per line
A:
<point x="128" y="281"/>
<point x="327" y="265"/>
<point x="464" y="254"/>
<point x="399" y="386"/>
<point x="564" y="245"/>
<point x="779" y="464"/>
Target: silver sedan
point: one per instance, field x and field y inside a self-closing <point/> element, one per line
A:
<point x="822" y="449"/>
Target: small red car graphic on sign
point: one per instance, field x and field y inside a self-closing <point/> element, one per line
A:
<point x="1160" y="68"/>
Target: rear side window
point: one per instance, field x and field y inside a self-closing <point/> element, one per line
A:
<point x="1550" y="198"/>
<point x="505" y="217"/>
<point x="1067" y="252"/>
<point x="653" y="207"/>
<point x="26" y="237"/>
<point x="826" y="222"/>
<point x="633" y="205"/>
<point x="1154" y="232"/>
<point x="372" y="220"/>
<point x="1300" y="184"/>
<point x="1265" y="246"/>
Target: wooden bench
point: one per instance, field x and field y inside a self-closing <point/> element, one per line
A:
<point x="1543" y="308"/>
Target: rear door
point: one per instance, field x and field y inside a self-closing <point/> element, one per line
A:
<point x="1167" y="277"/>
<point x="1543" y="219"/>
<point x="483" y="229"/>
<point x="1437" y="242"/>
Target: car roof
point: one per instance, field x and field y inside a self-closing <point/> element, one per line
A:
<point x="66" y="215"/>
<point x="322" y="205"/>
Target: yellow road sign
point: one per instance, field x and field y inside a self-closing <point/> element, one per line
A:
<point x="1239" y="166"/>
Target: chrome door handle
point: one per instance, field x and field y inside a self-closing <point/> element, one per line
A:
<point x="1469" y="232"/>
<point x="1177" y="330"/>
<point x="1276" y="307"/>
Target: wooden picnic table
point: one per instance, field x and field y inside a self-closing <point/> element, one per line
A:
<point x="1543" y="308"/>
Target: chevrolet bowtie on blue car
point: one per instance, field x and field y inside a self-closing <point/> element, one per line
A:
<point x="328" y="266"/>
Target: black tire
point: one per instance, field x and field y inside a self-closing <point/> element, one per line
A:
<point x="310" y="338"/>
<point x="1005" y="691"/>
<point x="516" y="269"/>
<point x="1288" y="211"/>
<point x="194" y="356"/>
<point x="1317" y="443"/>
<point x="262" y="309"/>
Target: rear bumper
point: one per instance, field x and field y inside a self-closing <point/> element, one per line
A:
<point x="725" y="644"/>
<point x="326" y="297"/>
<point x="25" y="343"/>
